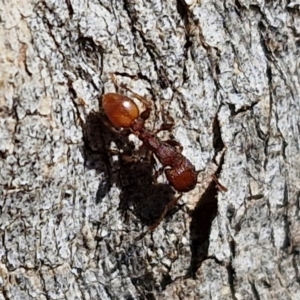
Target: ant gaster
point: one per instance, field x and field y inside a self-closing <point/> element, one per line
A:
<point x="122" y="112"/>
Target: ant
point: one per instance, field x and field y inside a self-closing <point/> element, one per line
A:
<point x="123" y="112"/>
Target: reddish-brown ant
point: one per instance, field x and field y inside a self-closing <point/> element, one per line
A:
<point x="124" y="113"/>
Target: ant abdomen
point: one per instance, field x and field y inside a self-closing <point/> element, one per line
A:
<point x="183" y="176"/>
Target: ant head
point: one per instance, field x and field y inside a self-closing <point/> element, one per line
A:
<point x="120" y="110"/>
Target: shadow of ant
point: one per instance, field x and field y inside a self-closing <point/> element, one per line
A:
<point x="139" y="194"/>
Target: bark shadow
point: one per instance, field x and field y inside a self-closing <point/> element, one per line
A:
<point x="202" y="217"/>
<point x="200" y="227"/>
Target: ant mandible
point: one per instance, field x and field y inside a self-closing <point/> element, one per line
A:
<point x="122" y="112"/>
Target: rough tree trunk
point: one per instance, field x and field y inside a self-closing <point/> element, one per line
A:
<point x="72" y="202"/>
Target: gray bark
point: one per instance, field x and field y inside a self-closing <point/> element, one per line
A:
<point x="73" y="204"/>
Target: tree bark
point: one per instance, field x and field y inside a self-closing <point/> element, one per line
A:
<point x="76" y="194"/>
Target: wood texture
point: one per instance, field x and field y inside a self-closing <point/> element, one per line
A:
<point x="75" y="195"/>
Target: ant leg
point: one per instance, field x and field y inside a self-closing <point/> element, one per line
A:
<point x="130" y="159"/>
<point x="145" y="114"/>
<point x="114" y="80"/>
<point x="219" y="185"/>
<point x="141" y="98"/>
<point x="166" y="125"/>
<point x="174" y="144"/>
<point x="215" y="179"/>
<point x="169" y="206"/>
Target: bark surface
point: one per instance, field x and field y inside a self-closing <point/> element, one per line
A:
<point x="75" y="195"/>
